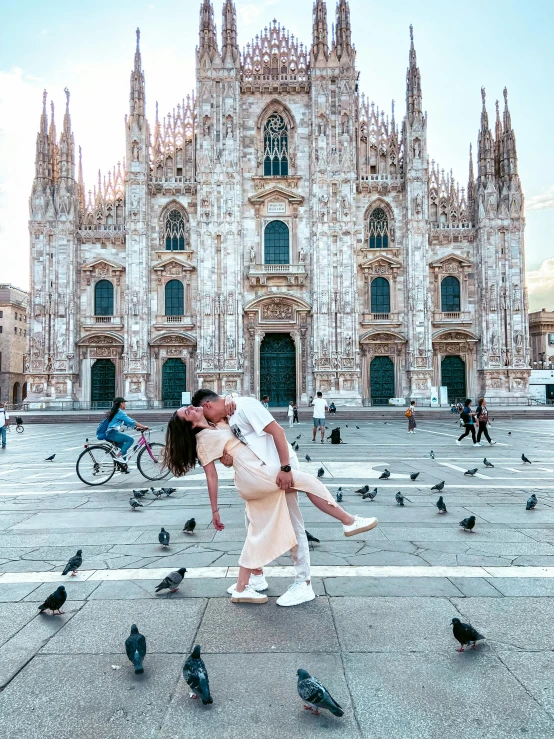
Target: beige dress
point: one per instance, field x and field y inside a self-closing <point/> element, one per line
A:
<point x="270" y="533"/>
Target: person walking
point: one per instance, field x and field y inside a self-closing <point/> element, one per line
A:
<point x="4" y="421"/>
<point x="467" y="416"/>
<point x="265" y="401"/>
<point x="320" y="406"/>
<point x="290" y="413"/>
<point x="483" y="420"/>
<point x="295" y="414"/>
<point x="411" y="418"/>
<point x="116" y="419"/>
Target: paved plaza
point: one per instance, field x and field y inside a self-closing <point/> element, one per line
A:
<point x="378" y="635"/>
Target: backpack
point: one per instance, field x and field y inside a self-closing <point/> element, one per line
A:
<point x="102" y="429"/>
<point x="408" y="413"/>
<point x="335" y="436"/>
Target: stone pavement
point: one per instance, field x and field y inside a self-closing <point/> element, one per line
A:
<point x="378" y="635"/>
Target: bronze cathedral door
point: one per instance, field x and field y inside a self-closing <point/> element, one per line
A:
<point x="278" y="369"/>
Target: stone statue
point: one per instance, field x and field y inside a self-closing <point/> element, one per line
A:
<point x="301" y="255"/>
<point x="135" y="151"/>
<point x="252" y="255"/>
<point x="134" y="304"/>
<point x="417" y="149"/>
<point x="494" y="342"/>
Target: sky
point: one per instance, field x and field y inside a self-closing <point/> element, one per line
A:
<point x="88" y="47"/>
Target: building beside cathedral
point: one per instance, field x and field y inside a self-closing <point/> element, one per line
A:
<point x="277" y="233"/>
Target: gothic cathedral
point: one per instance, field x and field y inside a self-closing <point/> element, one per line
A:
<point x="277" y="233"/>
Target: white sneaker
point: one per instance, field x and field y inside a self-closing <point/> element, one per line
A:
<point x="492" y="442"/>
<point x="299" y="592"/>
<point x="257" y="582"/>
<point x="459" y="443"/>
<point x="248" y="595"/>
<point x="478" y="444"/>
<point x="359" y="526"/>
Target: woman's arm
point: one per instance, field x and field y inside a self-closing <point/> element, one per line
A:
<point x="212" y="479"/>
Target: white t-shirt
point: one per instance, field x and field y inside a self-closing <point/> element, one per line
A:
<point x="319" y="407"/>
<point x="248" y="423"/>
<point x="4" y="416"/>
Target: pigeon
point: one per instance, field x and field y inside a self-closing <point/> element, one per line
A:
<point x="311" y="538"/>
<point x="441" y="505"/>
<point x="438" y="487"/>
<point x="320" y="472"/>
<point x="346" y="425"/>
<point x="54" y="601"/>
<point x="163" y="537"/>
<point x="531" y="503"/>
<point x="133" y="502"/>
<point x="50" y="458"/>
<point x="294" y="446"/>
<point x="339" y="495"/>
<point x="358" y="428"/>
<point x="308" y="458"/>
<point x="487" y="463"/>
<point x="414" y="475"/>
<point x="465" y="634"/>
<point x="525" y="460"/>
<point x="168" y="491"/>
<point x="299" y="436"/>
<point x="74" y="563"/>
<point x="369" y="495"/>
<point x="135" y="646"/>
<point x="468" y="523"/>
<point x="509" y="433"/>
<point x="158" y="493"/>
<point x="399" y="498"/>
<point x="172" y="581"/>
<point x="432" y="454"/>
<point x="141" y="493"/>
<point x="196" y="677"/>
<point x="362" y="490"/>
<point x="385" y="475"/>
<point x="315" y="695"/>
<point x="189" y="526"/>
<point x="471" y="472"/>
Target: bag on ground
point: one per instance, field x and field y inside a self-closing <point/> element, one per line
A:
<point x="335" y="436"/>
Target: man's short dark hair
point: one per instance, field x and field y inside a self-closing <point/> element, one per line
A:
<point x="201" y="396"/>
<point x="319" y="394"/>
<point x="266" y="397"/>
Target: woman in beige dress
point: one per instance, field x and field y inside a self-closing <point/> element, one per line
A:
<point x="191" y="438"/>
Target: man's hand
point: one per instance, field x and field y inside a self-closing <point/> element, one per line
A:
<point x="226" y="459"/>
<point x="284" y="480"/>
<point x="230" y="407"/>
<point x="216" y="520"/>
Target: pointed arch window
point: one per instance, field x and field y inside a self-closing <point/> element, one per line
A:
<point x="378" y="229"/>
<point x="175" y="231"/>
<point x="276" y="243"/>
<point x="174" y="298"/>
<point x="450" y="295"/>
<point x="103" y="298"/>
<point x="276" y="147"/>
<point x="380" y="295"/>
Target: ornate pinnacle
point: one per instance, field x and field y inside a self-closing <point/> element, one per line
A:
<point x="483" y="95"/>
<point x="67" y="94"/>
<point x="138" y="40"/>
<point x="505" y="92"/>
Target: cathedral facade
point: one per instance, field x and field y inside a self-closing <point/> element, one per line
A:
<point x="276" y="233"/>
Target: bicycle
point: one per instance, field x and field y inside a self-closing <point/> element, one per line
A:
<point x="98" y="462"/>
<point x="19" y="425"/>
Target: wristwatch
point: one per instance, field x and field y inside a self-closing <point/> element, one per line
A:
<point x="286" y="468"/>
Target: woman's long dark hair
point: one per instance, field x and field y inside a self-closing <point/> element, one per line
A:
<point x="115" y="407"/>
<point x="180" y="446"/>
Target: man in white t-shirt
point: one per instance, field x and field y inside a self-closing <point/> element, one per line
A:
<point x="4" y="420"/>
<point x="255" y="426"/>
<point x="320" y="406"/>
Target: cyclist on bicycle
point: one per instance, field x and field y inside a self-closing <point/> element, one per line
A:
<point x="116" y="419"/>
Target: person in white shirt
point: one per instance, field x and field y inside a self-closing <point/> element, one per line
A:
<point x="320" y="406"/>
<point x="4" y="420"/>
<point x="290" y="414"/>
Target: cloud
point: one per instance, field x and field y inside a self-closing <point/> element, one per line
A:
<point x="540" y="283"/>
<point x="543" y="201"/>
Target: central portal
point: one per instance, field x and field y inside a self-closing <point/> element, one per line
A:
<point x="278" y="369"/>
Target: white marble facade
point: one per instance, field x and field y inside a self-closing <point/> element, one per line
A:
<point x="278" y="132"/>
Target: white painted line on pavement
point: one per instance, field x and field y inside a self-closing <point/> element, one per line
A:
<point x="208" y="573"/>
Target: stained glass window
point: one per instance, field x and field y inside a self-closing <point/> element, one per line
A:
<point x="276" y="151"/>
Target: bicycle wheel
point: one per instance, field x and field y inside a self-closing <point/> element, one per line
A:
<point x="19" y="429"/>
<point x="151" y="466"/>
<point x="95" y="465"/>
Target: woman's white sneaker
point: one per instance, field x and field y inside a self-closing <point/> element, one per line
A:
<point x="256" y="582"/>
<point x="299" y="592"/>
<point x="248" y="595"/>
<point x="359" y="526"/>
